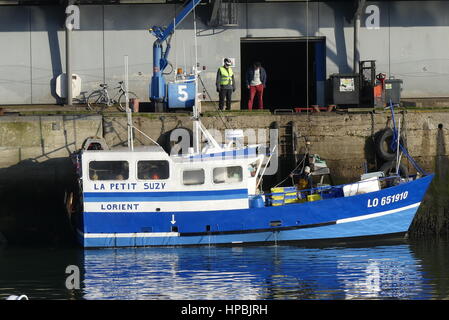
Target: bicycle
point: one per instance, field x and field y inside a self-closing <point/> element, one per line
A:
<point x="100" y="99"/>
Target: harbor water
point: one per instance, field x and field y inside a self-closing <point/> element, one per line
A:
<point x="408" y="270"/>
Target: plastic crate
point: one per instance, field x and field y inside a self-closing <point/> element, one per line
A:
<point x="313" y="197"/>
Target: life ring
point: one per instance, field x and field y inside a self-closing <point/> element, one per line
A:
<point x="383" y="142"/>
<point x="389" y="168"/>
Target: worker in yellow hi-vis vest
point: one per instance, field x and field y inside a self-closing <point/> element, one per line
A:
<point x="225" y="84"/>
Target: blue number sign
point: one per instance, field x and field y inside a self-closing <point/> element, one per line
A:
<point x="181" y="94"/>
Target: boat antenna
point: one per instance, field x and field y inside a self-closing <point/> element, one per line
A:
<point x="398" y="154"/>
<point x="176" y="51"/>
<point x="195" y="38"/>
<point x="198" y="127"/>
<point x="196" y="112"/>
<point x="128" y="110"/>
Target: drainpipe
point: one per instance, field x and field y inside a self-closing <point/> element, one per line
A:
<point x="356" y="60"/>
<point x="68" y="60"/>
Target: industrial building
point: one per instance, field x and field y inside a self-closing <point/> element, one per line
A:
<point x="300" y="44"/>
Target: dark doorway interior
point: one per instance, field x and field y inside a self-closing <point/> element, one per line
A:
<point x="286" y="66"/>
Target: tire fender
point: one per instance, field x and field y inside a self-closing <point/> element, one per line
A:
<point x="390" y="167"/>
<point x="382" y="143"/>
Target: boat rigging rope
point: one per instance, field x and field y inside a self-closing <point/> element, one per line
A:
<point x="176" y="49"/>
<point x="220" y="113"/>
<point x="199" y="77"/>
<point x="302" y="162"/>
<point x="402" y="148"/>
<point x="307" y="67"/>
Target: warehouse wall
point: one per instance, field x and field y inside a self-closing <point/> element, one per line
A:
<point x="410" y="44"/>
<point x="15" y="53"/>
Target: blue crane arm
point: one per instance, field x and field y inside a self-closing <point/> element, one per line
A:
<point x="160" y="56"/>
<point x="163" y="33"/>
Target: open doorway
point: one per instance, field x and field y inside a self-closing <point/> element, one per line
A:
<point x="295" y="71"/>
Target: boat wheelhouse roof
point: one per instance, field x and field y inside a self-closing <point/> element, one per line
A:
<point x="123" y="153"/>
<point x="122" y="149"/>
<point x="158" y="153"/>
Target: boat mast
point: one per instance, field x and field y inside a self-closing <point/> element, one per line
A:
<point x="128" y="110"/>
<point x="196" y="111"/>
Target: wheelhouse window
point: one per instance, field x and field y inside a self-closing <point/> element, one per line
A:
<point x="252" y="168"/>
<point x="193" y="177"/>
<point x="108" y="170"/>
<point x="228" y="174"/>
<point x="153" y="170"/>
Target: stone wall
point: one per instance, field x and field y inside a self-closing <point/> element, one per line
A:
<point x="345" y="140"/>
<point x="35" y="169"/>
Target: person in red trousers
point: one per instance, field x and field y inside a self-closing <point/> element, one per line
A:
<point x="256" y="79"/>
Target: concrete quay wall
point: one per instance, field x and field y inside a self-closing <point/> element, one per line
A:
<point x="35" y="169"/>
<point x="344" y="140"/>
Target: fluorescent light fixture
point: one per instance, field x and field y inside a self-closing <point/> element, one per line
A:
<point x="3" y="2"/>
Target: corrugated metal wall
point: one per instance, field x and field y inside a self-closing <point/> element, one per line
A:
<point x="411" y="44"/>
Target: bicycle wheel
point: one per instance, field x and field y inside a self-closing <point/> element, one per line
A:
<point x="122" y="100"/>
<point x="95" y="101"/>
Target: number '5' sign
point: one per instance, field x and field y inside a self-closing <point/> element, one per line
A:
<point x="183" y="95"/>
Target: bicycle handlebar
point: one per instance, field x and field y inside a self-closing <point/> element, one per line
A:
<point x="105" y="85"/>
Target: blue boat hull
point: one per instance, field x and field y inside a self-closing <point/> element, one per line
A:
<point x="388" y="212"/>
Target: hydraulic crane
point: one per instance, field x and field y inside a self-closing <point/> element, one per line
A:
<point x="159" y="91"/>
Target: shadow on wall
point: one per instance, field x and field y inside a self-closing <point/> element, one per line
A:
<point x="55" y="50"/>
<point x="111" y="133"/>
<point x="115" y="131"/>
<point x="32" y="207"/>
<point x="32" y="191"/>
<point x="433" y="215"/>
<point x="372" y="160"/>
<point x="173" y="146"/>
<point x="343" y="15"/>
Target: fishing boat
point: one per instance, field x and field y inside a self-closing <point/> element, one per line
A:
<point x="212" y="195"/>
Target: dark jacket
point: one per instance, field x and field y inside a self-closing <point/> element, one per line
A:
<point x="250" y="76"/>
<point x="218" y="80"/>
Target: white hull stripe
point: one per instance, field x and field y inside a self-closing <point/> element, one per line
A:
<point x="129" y="235"/>
<point x="378" y="214"/>
<point x="173" y="196"/>
<point x="166" y="206"/>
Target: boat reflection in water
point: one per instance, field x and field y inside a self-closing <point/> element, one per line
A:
<point x="276" y="272"/>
